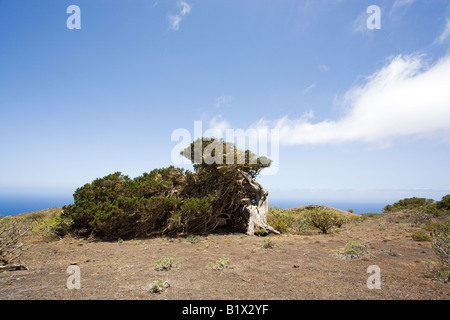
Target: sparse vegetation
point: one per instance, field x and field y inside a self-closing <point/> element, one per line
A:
<point x="268" y="244"/>
<point x="355" y="249"/>
<point x="222" y="264"/>
<point x="12" y="231"/>
<point x="420" y="236"/>
<point x="441" y="247"/>
<point x="159" y="286"/>
<point x="192" y="239"/>
<point x="165" y="264"/>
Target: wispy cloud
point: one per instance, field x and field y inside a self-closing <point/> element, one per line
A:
<point x="309" y="88"/>
<point x="405" y="98"/>
<point x="360" y="24"/>
<point x="399" y="4"/>
<point x="218" y="126"/>
<point x="446" y="33"/>
<point x="175" y="20"/>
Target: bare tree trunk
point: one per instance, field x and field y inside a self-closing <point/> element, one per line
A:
<point x="257" y="213"/>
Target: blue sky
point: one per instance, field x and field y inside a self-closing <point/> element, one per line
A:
<point x="364" y="115"/>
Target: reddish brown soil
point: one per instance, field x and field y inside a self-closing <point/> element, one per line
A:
<point x="298" y="267"/>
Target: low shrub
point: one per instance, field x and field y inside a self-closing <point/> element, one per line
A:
<point x="441" y="245"/>
<point x="54" y="226"/>
<point x="268" y="244"/>
<point x="355" y="249"/>
<point x="420" y="236"/>
<point x="286" y="221"/>
<point x="222" y="264"/>
<point x="12" y="231"/>
<point x="165" y="264"/>
<point x="159" y="286"/>
<point x="192" y="239"/>
<point x="324" y="219"/>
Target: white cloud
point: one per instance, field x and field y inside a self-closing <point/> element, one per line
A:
<point x="405" y="98"/>
<point x="175" y="20"/>
<point x="446" y="33"/>
<point x="217" y="126"/>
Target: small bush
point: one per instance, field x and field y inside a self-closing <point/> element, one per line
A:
<point x="55" y="226"/>
<point x="355" y="249"/>
<point x="192" y="239"/>
<point x="159" y="286"/>
<point x="444" y="204"/>
<point x="287" y="221"/>
<point x="165" y="264"/>
<point x="441" y="245"/>
<point x="420" y="236"/>
<point x="324" y="219"/>
<point x="222" y="263"/>
<point x="268" y="244"/>
<point x="12" y="231"/>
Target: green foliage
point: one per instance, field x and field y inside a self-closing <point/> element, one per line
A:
<point x="117" y="206"/>
<point x="444" y="204"/>
<point x="324" y="219"/>
<point x="355" y="249"/>
<point x="165" y="264"/>
<point x="260" y="232"/>
<point x="55" y="226"/>
<point x="286" y="221"/>
<point x="409" y="203"/>
<point x="192" y="239"/>
<point x="196" y="214"/>
<point x="159" y="286"/>
<point x="420" y="236"/>
<point x="268" y="244"/>
<point x="222" y="264"/>
<point x="169" y="200"/>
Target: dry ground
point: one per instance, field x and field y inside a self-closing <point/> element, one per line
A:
<point x="298" y="267"/>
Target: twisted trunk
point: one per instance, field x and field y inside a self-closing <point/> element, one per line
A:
<point x="257" y="214"/>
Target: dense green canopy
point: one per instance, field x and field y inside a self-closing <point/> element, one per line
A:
<point x="170" y="200"/>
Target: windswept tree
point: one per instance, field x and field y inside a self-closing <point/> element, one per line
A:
<point x="228" y="174"/>
<point x="221" y="190"/>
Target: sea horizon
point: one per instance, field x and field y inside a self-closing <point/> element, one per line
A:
<point x="18" y="204"/>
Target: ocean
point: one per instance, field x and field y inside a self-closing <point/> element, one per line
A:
<point x="358" y="207"/>
<point x="16" y="204"/>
